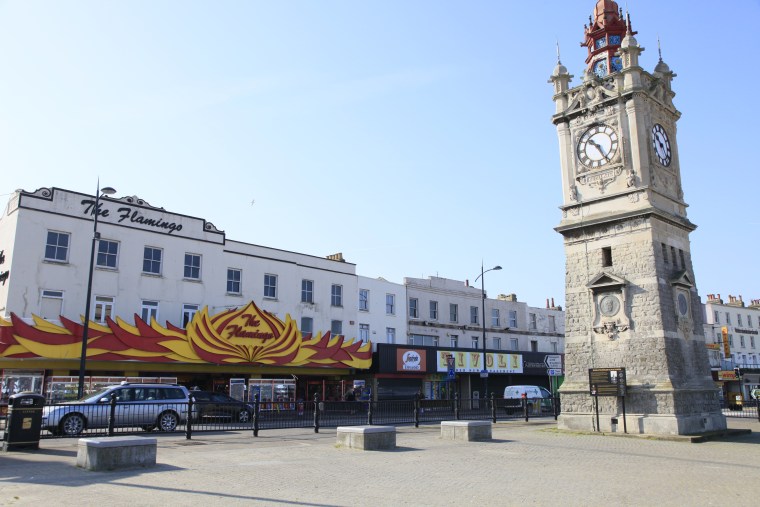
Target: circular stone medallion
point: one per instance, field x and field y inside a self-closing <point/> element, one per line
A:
<point x="609" y="305"/>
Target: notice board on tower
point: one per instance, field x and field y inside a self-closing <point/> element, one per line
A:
<point x="606" y="381"/>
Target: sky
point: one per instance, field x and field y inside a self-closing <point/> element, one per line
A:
<point x="413" y="136"/>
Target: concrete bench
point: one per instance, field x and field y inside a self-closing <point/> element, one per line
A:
<point x="115" y="453"/>
<point x="367" y="438"/>
<point x="466" y="431"/>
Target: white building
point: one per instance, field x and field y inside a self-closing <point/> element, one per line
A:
<point x="381" y="311"/>
<point x="739" y="325"/>
<point x="152" y="262"/>
<point x="448" y="313"/>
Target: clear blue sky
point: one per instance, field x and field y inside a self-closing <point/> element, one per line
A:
<point x="413" y="136"/>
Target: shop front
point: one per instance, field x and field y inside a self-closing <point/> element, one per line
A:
<point x="440" y="373"/>
<point x="242" y="351"/>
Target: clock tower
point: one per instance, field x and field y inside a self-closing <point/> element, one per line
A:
<point x="631" y="298"/>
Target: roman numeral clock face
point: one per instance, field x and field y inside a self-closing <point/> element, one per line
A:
<point x="661" y="144"/>
<point x="597" y="146"/>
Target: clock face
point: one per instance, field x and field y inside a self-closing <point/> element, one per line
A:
<point x="614" y="40"/>
<point x="600" y="42"/>
<point x="597" y="146"/>
<point x="617" y="64"/>
<point x="600" y="68"/>
<point x="661" y="144"/>
<point x="683" y="304"/>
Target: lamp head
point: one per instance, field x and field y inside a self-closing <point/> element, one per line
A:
<point x="107" y="190"/>
<point x="496" y="268"/>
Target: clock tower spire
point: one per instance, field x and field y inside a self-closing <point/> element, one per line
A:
<point x="603" y="34"/>
<point x="632" y="304"/>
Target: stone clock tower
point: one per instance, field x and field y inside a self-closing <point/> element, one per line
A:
<point x="631" y="298"/>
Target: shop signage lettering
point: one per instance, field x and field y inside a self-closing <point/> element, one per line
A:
<point x="241" y="331"/>
<point x="126" y="213"/>
<point x="745" y="331"/>
<point x="410" y="360"/>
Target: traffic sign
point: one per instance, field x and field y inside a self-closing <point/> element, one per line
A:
<point x="553" y="361"/>
<point x="554" y="372"/>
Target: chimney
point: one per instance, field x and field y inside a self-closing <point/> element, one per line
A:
<point x="336" y="257"/>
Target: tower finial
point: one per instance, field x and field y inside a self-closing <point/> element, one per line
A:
<point x="559" y="62"/>
<point x="659" y="48"/>
<point x="627" y="21"/>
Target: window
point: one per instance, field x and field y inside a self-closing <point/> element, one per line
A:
<point x="307" y="291"/>
<point x="495" y="317"/>
<point x="307" y="327"/>
<point x="514" y="344"/>
<point x="665" y="253"/>
<point x="107" y="254"/>
<point x="730" y="340"/>
<point x="234" y="277"/>
<point x="188" y="312"/>
<point x="673" y="256"/>
<point x="741" y="341"/>
<point x="152" y="260"/>
<point x="390" y="335"/>
<point x="270" y="286"/>
<point x="413" y="309"/>
<point x="425" y="340"/>
<point x="434" y="310"/>
<point x="717" y="317"/>
<point x="607" y="256"/>
<point x="473" y="315"/>
<point x="51" y="305"/>
<point x="390" y="304"/>
<point x="337" y="295"/>
<point x="453" y="312"/>
<point x="552" y="324"/>
<point x="739" y="320"/>
<point x="149" y="310"/>
<point x="336" y="328"/>
<point x="533" y="321"/>
<point x="363" y="300"/>
<point x="497" y="342"/>
<point x="752" y="342"/>
<point x="728" y="318"/>
<point x="454" y="341"/>
<point x="683" y="259"/>
<point x="555" y="347"/>
<point x="103" y="309"/>
<point x="534" y="345"/>
<point x="192" y="266"/>
<point x="475" y="342"/>
<point x="749" y="320"/>
<point x="57" y="246"/>
<point x="512" y="318"/>
<point x="364" y="332"/>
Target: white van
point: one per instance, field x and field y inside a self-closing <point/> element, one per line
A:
<point x="537" y="398"/>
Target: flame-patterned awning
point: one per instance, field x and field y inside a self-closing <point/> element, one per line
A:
<point x="245" y="336"/>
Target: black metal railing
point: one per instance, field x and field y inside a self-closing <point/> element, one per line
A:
<point x="73" y="419"/>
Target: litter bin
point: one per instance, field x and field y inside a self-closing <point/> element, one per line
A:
<point x="24" y="423"/>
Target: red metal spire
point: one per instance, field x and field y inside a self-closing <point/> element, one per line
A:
<point x="603" y="35"/>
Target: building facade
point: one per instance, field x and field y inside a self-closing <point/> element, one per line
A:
<point x="732" y="335"/>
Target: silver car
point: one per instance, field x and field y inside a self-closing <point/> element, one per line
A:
<point x="146" y="406"/>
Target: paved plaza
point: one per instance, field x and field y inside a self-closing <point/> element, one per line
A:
<point x="525" y="464"/>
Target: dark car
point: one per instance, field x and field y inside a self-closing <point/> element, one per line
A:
<point x="218" y="407"/>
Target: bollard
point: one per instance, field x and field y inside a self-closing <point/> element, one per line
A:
<point x="369" y="412"/>
<point x="256" y="409"/>
<point x="189" y="425"/>
<point x="525" y="406"/>
<point x="456" y="405"/>
<point x="493" y="409"/>
<point x="316" y="412"/>
<point x="555" y="399"/>
<point x="112" y="414"/>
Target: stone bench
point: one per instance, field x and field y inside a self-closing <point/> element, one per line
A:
<point x="115" y="453"/>
<point x="466" y="431"/>
<point x="367" y="438"/>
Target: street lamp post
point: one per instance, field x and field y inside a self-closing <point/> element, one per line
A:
<point x="95" y="237"/>
<point x="484" y="373"/>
